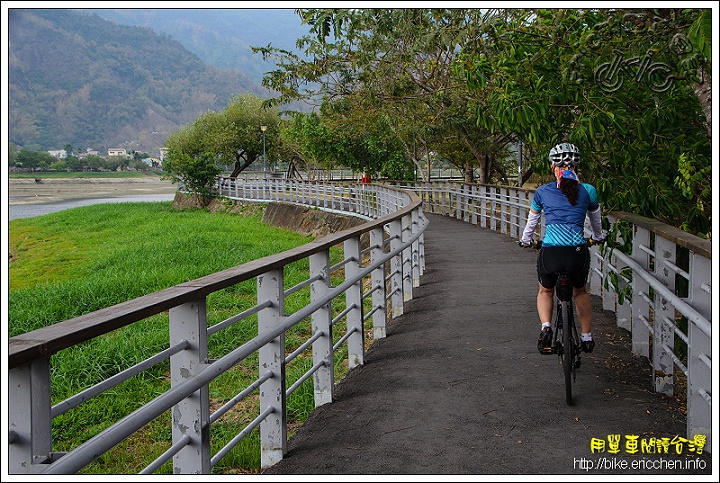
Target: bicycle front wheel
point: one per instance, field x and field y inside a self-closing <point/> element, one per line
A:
<point x="568" y="347"/>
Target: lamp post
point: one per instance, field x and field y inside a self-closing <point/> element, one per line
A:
<point x="263" y="127"/>
<point x="520" y="163"/>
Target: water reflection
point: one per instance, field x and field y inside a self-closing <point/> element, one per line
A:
<point x="29" y="210"/>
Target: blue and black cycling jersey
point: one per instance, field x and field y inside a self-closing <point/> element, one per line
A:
<point x="564" y="223"/>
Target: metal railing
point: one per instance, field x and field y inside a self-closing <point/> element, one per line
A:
<point x="661" y="285"/>
<point x="658" y="285"/>
<point x="382" y="261"/>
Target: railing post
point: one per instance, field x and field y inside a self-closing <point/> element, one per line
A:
<point x="465" y="188"/>
<point x="483" y="206"/>
<point x="353" y="303"/>
<point x="699" y="380"/>
<point x="446" y="201"/>
<point x="407" y="272"/>
<point x="377" y="242"/>
<point x="29" y="419"/>
<point x="609" y="297"/>
<point x="417" y="269"/>
<point x="396" y="269"/>
<point x="473" y="204"/>
<point x="641" y="292"/>
<point x="517" y="217"/>
<point x="699" y="377"/>
<point x="322" y="348"/>
<point x="597" y="266"/>
<point x="430" y="197"/>
<point x="504" y="210"/>
<point x="455" y="200"/>
<point x="191" y="416"/>
<point x="623" y="312"/>
<point x="663" y="364"/>
<point x="494" y="193"/>
<point x="273" y="429"/>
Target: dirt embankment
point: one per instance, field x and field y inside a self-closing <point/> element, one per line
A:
<point x="49" y="190"/>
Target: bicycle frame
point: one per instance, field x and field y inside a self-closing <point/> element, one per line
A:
<point x="566" y="340"/>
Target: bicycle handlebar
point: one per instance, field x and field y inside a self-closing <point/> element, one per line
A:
<point x="537" y="244"/>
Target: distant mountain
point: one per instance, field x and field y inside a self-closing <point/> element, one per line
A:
<point x="77" y="78"/>
<point x="220" y="37"/>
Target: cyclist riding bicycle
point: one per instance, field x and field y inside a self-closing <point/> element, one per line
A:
<point x="565" y="203"/>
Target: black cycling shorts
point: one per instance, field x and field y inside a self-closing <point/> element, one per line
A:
<point x="573" y="260"/>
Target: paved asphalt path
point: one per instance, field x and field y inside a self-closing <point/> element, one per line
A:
<point x="458" y="388"/>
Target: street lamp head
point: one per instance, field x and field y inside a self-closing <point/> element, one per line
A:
<point x="263" y="126"/>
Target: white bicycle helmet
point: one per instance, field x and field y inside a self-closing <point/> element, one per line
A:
<point x="565" y="154"/>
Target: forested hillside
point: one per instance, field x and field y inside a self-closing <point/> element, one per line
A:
<point x="220" y="37"/>
<point x="76" y="78"/>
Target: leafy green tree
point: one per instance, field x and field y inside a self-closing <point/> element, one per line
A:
<point x="307" y="142"/>
<point x="138" y="164"/>
<point x="194" y="173"/>
<point x="34" y="159"/>
<point x="73" y="163"/>
<point x="12" y="154"/>
<point x="389" y="71"/>
<point x="117" y="162"/>
<point x="233" y="136"/>
<point x="369" y="148"/>
<point x="94" y="161"/>
<point x="619" y="84"/>
<point x="58" y="166"/>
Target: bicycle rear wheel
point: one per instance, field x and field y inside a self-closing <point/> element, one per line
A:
<point x="568" y="348"/>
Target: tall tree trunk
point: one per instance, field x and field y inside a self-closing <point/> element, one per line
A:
<point x="704" y="94"/>
<point x="468" y="173"/>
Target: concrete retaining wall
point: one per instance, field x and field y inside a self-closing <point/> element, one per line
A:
<point x="301" y="219"/>
<point x="308" y="221"/>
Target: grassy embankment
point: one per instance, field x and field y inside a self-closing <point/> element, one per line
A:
<point x="76" y="261"/>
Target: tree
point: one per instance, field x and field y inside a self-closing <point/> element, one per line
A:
<point x="232" y="136"/>
<point x="34" y="159"/>
<point x="12" y="154"/>
<point x="73" y="163"/>
<point x="117" y="163"/>
<point x="617" y="83"/>
<point x="194" y="173"/>
<point x="94" y="161"/>
<point x="389" y="71"/>
<point x="58" y="166"/>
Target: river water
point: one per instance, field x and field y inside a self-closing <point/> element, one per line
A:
<point x="29" y="210"/>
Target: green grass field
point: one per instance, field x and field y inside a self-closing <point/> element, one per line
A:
<point x="80" y="260"/>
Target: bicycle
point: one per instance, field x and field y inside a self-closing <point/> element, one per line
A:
<point x="566" y="339"/>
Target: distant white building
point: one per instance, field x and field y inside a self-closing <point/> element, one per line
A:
<point x="88" y="152"/>
<point x="163" y="152"/>
<point x="117" y="152"/>
<point x="58" y="153"/>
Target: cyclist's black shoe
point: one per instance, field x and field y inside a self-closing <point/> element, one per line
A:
<point x="545" y="341"/>
<point x="587" y="345"/>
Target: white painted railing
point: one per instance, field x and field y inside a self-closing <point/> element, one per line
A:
<point x="382" y="262"/>
<point x="661" y="291"/>
<point x="649" y="301"/>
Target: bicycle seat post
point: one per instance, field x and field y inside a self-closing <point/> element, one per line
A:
<point x="563" y="288"/>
